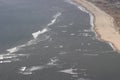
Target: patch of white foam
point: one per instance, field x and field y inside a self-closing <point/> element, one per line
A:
<point x="83" y="69"/>
<point x="6" y="61"/>
<point x="107" y="52"/>
<point x="2" y="57"/>
<point x="36" y="34"/>
<point x="7" y="58"/>
<point x="23" y="68"/>
<point x="87" y="30"/>
<point x="60" y="46"/>
<point x="65" y="26"/>
<point x="34" y="68"/>
<point x="53" y="61"/>
<point x="84" y="34"/>
<point x="69" y="71"/>
<point x="112" y="46"/>
<point x="83" y="79"/>
<point x="46" y="46"/>
<point x="87" y="54"/>
<point x="29" y="70"/>
<point x="88" y="44"/>
<point x="62" y="53"/>
<point x="64" y="31"/>
<point x="72" y="34"/>
<point x="73" y="3"/>
<point x="13" y="50"/>
<point x="54" y="19"/>
<point x="78" y="50"/>
<point x="71" y="24"/>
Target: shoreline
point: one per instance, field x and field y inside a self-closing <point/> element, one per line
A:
<point x="103" y="25"/>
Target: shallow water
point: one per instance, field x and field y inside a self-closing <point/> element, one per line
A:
<point x="52" y="40"/>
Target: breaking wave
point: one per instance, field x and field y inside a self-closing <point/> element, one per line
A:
<point x="8" y="58"/>
<point x="54" y="19"/>
<point x="36" y="34"/>
<point x="69" y="71"/>
<point x="29" y="70"/>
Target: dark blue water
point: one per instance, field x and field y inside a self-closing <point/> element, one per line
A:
<point x="65" y="49"/>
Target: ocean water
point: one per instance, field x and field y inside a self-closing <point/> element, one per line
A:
<point x="52" y="40"/>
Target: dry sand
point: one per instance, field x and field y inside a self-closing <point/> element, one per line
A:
<point x="104" y="24"/>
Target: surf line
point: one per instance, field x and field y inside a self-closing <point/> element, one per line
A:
<point x="91" y="20"/>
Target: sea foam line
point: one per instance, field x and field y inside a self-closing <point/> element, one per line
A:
<point x="8" y="58"/>
<point x="36" y="34"/>
<point x="54" y="19"/>
<point x="27" y="71"/>
<point x="91" y="19"/>
<point x="69" y="71"/>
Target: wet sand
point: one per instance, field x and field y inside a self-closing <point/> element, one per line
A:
<point x="104" y="24"/>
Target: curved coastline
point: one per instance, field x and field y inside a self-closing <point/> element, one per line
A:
<point x="103" y="25"/>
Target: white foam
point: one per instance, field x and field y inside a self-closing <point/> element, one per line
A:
<point x="87" y="30"/>
<point x="83" y="79"/>
<point x="71" y="24"/>
<point x="84" y="34"/>
<point x="63" y="26"/>
<point x="73" y="3"/>
<point x="34" y="68"/>
<point x="83" y="9"/>
<point x="53" y="61"/>
<point x="112" y="46"/>
<point x="13" y="50"/>
<point x="27" y="71"/>
<point x="14" y="60"/>
<point x="72" y="34"/>
<point x="87" y="54"/>
<point x="78" y="50"/>
<point x="7" y="58"/>
<point x="54" y="19"/>
<point x="36" y="34"/>
<point x="23" y="68"/>
<point x="62" y="52"/>
<point x="60" y="46"/>
<point x="69" y="71"/>
<point x="64" y="31"/>
<point x="6" y="61"/>
<point x="46" y="46"/>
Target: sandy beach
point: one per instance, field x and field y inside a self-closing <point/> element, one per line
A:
<point x="104" y="24"/>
